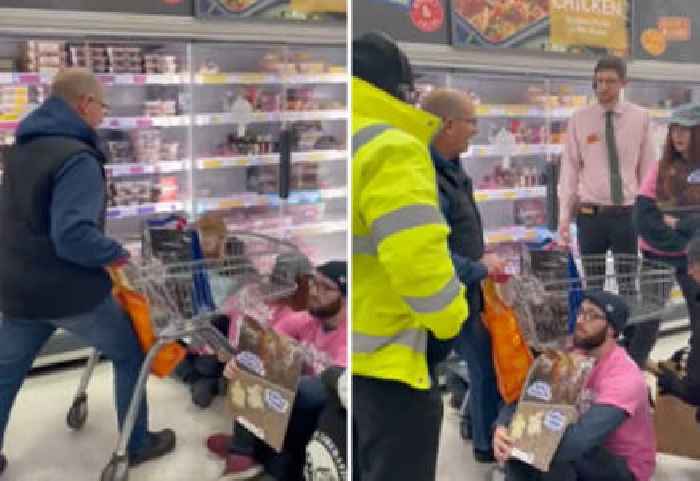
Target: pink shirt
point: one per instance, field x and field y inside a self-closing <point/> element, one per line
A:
<point x="648" y="189"/>
<point x="617" y="381"/>
<point x="324" y="348"/>
<point x="585" y="171"/>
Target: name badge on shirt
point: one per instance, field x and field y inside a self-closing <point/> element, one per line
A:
<point x="593" y="139"/>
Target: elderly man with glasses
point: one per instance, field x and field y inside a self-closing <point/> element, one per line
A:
<point x="613" y="439"/>
<point x="466" y="242"/>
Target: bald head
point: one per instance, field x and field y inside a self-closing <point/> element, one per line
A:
<point x="456" y="110"/>
<point x="73" y="83"/>
<point x="448" y="104"/>
<point x="83" y="91"/>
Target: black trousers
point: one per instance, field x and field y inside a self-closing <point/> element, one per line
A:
<point x="596" y="465"/>
<point x="396" y="430"/>
<point x="602" y="232"/>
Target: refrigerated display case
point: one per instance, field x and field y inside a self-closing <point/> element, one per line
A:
<point x="523" y="105"/>
<point x="200" y="126"/>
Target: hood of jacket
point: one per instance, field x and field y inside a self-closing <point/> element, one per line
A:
<point x="373" y="103"/>
<point x="55" y="118"/>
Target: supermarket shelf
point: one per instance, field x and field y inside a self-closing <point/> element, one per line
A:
<point x="305" y="229"/>
<point x="124" y="122"/>
<point x="248" y="199"/>
<point x="510" y="111"/>
<point x="269" y="159"/>
<point x="516" y="234"/>
<point x="518" y="149"/>
<point x="123" y="212"/>
<point x="660" y="114"/>
<point x="28" y="79"/>
<point x="145" y="122"/>
<point x="261" y="117"/>
<point x="517" y="193"/>
<point x="253" y="78"/>
<point x="123" y="170"/>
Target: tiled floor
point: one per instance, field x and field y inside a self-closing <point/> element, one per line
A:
<point x="41" y="448"/>
<point x="457" y="464"/>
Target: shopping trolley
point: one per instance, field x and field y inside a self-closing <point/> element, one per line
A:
<point x="644" y="284"/>
<point x="179" y="310"/>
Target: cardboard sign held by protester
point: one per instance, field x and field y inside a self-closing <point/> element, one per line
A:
<point x="549" y="403"/>
<point x="268" y="369"/>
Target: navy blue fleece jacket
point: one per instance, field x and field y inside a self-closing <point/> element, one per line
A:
<point x="79" y="188"/>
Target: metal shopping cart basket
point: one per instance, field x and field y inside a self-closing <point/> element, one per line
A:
<point x="544" y="316"/>
<point x="178" y="311"/>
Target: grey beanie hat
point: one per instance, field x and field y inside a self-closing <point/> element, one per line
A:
<point x="687" y="115"/>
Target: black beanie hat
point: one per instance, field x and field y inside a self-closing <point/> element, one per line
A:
<point x="613" y="306"/>
<point x="337" y="271"/>
<point x="377" y="59"/>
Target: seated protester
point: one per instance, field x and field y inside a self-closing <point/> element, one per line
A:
<point x="613" y="440"/>
<point x="323" y="333"/>
<point x="326" y="453"/>
<point x="687" y="388"/>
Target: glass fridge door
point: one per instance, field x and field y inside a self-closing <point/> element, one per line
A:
<point x="257" y="109"/>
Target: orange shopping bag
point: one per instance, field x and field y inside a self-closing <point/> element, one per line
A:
<point x="511" y="355"/>
<point x="136" y="305"/>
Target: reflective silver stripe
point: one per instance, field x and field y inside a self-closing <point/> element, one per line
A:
<point x="363" y="136"/>
<point x="416" y="339"/>
<point x="404" y="218"/>
<point x="436" y="302"/>
<point x="363" y="245"/>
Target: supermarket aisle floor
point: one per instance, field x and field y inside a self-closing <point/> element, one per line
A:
<point x="40" y="447"/>
<point x="457" y="464"/>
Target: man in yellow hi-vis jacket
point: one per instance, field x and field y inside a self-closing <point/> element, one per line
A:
<point x="406" y="297"/>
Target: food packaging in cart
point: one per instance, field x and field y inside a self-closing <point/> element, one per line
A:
<point x="551" y="400"/>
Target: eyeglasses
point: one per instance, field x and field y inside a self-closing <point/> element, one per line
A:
<point x="469" y="120"/>
<point x="589" y="315"/>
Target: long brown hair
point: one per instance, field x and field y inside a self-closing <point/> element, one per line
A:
<point x="672" y="186"/>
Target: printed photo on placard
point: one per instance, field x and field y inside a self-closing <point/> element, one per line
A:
<point x="262" y="393"/>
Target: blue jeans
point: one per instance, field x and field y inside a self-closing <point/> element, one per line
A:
<point x="474" y="346"/>
<point x="106" y="327"/>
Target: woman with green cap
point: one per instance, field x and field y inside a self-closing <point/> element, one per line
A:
<point x="667" y="213"/>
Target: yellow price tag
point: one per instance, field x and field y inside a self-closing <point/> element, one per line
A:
<point x="251" y="77"/>
<point x="230" y="204"/>
<point x="213" y="78"/>
<point x="510" y="195"/>
<point x="517" y="110"/>
<point x="212" y="163"/>
<point x="481" y="196"/>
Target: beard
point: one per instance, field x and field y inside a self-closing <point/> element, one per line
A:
<point x="592" y="341"/>
<point x="326" y="311"/>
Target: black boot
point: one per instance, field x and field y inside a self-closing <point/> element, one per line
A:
<point x="157" y="445"/>
<point x="3" y="463"/>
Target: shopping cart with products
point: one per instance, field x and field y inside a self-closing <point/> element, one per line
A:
<point x="546" y="298"/>
<point x="182" y="307"/>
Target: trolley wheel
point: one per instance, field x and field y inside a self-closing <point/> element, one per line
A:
<point x="78" y="413"/>
<point x="116" y="470"/>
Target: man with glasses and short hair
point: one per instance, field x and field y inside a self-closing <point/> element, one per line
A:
<point x="466" y="241"/>
<point x="54" y="252"/>
<point x="613" y="439"/>
<point x="609" y="150"/>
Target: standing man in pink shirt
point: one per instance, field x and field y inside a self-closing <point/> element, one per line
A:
<point x="609" y="151"/>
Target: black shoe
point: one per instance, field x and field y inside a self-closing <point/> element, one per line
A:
<point x="484" y="457"/>
<point x="204" y="391"/>
<point x="3" y="463"/>
<point x="158" y="444"/>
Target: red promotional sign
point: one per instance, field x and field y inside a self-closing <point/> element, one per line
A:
<point x="427" y="15"/>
